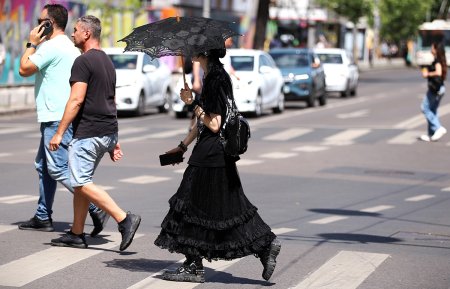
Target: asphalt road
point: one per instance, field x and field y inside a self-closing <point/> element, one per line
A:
<point x="356" y="200"/>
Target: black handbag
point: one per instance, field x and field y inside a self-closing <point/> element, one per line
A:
<point x="235" y="131"/>
<point x="434" y="84"/>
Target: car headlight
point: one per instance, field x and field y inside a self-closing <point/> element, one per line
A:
<point x="301" y="77"/>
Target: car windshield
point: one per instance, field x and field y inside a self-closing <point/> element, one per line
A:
<point x="290" y="60"/>
<point x="242" y="63"/>
<point x="330" y="58"/>
<point x="124" y="61"/>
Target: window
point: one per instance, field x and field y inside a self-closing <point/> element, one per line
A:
<point x="124" y="61"/>
<point x="242" y="63"/>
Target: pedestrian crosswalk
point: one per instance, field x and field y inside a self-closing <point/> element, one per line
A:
<point x="346" y="269"/>
<point x="341" y="269"/>
<point x="327" y="137"/>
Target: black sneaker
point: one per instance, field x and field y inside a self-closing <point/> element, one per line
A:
<point x="37" y="224"/>
<point x="268" y="258"/>
<point x="69" y="239"/>
<point x="188" y="272"/>
<point x="128" y="228"/>
<point x="99" y="218"/>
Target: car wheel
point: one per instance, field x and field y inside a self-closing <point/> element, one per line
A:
<point x="258" y="105"/>
<point x="353" y="92"/>
<point x="166" y="105"/>
<point x="140" y="109"/>
<point x="280" y="104"/>
<point x="311" y="101"/>
<point x="346" y="92"/>
<point x="323" y="99"/>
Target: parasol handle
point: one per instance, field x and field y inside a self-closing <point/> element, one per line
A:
<point x="182" y="67"/>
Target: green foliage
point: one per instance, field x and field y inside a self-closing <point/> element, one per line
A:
<point x="400" y="18"/>
<point x="353" y="10"/>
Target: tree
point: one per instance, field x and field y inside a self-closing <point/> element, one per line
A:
<point x="400" y="19"/>
<point x="353" y="10"/>
<point x="262" y="16"/>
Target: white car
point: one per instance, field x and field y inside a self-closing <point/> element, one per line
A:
<point x="341" y="73"/>
<point x="141" y="82"/>
<point x="260" y="84"/>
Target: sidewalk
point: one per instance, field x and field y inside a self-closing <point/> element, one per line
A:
<point x="19" y="99"/>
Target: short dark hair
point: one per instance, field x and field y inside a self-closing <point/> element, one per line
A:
<point x="58" y="13"/>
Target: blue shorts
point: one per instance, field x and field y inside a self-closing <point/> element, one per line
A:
<point x="85" y="155"/>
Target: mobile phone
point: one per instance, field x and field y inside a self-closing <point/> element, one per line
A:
<point x="48" y="28"/>
<point x="170" y="159"/>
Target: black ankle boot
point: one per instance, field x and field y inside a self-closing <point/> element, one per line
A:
<point x="269" y="258"/>
<point x="191" y="271"/>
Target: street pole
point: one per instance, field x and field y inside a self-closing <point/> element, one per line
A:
<point x="206" y="8"/>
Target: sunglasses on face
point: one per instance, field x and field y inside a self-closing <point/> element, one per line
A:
<point x="39" y="21"/>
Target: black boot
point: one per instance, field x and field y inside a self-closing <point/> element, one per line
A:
<point x="269" y="258"/>
<point x="191" y="271"/>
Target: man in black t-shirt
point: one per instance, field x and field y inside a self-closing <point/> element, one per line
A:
<point x="92" y="111"/>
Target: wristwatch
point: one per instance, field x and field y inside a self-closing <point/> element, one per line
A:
<point x="29" y="44"/>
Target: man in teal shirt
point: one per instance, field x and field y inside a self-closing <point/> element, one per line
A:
<point x="51" y="63"/>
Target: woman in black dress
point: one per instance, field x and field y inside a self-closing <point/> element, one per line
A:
<point x="210" y="217"/>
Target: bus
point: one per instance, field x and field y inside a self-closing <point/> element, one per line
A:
<point x="429" y="32"/>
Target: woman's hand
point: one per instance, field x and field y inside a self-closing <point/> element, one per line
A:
<point x="186" y="94"/>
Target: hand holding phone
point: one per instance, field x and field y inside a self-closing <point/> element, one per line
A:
<point x="47" y="26"/>
<point x="171" y="158"/>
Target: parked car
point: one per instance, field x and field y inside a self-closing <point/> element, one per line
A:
<point x="258" y="88"/>
<point x="260" y="81"/>
<point x="304" y="77"/>
<point x="142" y="83"/>
<point x="341" y="72"/>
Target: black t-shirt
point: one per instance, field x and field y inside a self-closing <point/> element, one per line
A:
<point x="98" y="115"/>
<point x="208" y="151"/>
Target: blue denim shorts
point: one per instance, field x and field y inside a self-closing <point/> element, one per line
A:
<point x="85" y="155"/>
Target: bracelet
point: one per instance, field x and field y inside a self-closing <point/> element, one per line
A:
<point x="203" y="112"/>
<point x="183" y="147"/>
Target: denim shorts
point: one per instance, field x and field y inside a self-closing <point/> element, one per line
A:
<point x="85" y="155"/>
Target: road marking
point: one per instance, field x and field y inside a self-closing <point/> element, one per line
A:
<point x="287" y="134"/>
<point x="179" y="171"/>
<point x="16" y="199"/>
<point x="142" y="180"/>
<point x="131" y="130"/>
<point x="160" y="135"/>
<point x="328" y="220"/>
<point x="248" y="162"/>
<point x="447" y="189"/>
<point x="280" y="231"/>
<point x="420" y="120"/>
<point x="32" y="267"/>
<point x="310" y="149"/>
<point x="6" y="228"/>
<point x="5" y="155"/>
<point x="15" y="130"/>
<point x="377" y="209"/>
<point x="278" y="155"/>
<point x="420" y="198"/>
<point x="348" y="269"/>
<point x="355" y="114"/>
<point x="345" y="137"/>
<point x="407" y="137"/>
<point x="156" y="283"/>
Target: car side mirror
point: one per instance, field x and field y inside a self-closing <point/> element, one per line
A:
<point x="148" y="68"/>
<point x="265" y="69"/>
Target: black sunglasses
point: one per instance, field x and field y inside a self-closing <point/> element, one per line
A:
<point x="42" y="20"/>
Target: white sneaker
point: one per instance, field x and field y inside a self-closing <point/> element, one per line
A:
<point x="424" y="137"/>
<point x="438" y="133"/>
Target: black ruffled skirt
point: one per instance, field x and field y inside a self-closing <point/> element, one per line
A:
<point x="210" y="217"/>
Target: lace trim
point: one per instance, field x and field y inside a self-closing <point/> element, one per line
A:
<point x="179" y="206"/>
